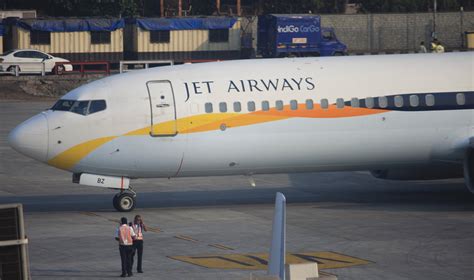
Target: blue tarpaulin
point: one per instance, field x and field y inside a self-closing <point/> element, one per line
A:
<point x="185" y="23"/>
<point x="2" y="29"/>
<point x="72" y="25"/>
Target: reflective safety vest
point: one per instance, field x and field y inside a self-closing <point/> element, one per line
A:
<point x="439" y="48"/>
<point x="125" y="235"/>
<point x="138" y="231"/>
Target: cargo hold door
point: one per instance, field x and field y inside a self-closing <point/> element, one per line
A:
<point x="163" y="109"/>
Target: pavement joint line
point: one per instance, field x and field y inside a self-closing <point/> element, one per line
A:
<point x="92" y="214"/>
<point x="220" y="246"/>
<point x="157" y="230"/>
<point x="187" y="238"/>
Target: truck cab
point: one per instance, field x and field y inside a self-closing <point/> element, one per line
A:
<point x="282" y="35"/>
<point x="330" y="45"/>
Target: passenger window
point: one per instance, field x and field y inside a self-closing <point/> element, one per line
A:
<point x="398" y="101"/>
<point x="340" y="103"/>
<point x="208" y="107"/>
<point x="369" y="102"/>
<point x="383" y="102"/>
<point x="97" y="106"/>
<point x="80" y="107"/>
<point x="294" y="105"/>
<point x="279" y="105"/>
<point x="20" y="54"/>
<point x="324" y="103"/>
<point x="430" y="100"/>
<point x="355" y="102"/>
<point x="414" y="100"/>
<point x="309" y="104"/>
<point x="460" y="99"/>
<point x="223" y="107"/>
<point x="237" y="107"/>
<point x="265" y="105"/>
<point x="251" y="106"/>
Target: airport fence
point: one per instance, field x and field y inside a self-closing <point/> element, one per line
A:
<point x="85" y="67"/>
<point x="23" y="68"/>
<point x="142" y="64"/>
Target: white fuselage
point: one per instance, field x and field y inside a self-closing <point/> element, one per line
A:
<point x="406" y="110"/>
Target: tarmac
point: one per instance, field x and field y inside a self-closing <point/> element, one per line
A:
<point x="355" y="226"/>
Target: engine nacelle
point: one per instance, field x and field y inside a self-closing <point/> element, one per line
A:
<point x="469" y="170"/>
<point x="430" y="172"/>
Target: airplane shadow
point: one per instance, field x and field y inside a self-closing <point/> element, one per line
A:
<point x="330" y="191"/>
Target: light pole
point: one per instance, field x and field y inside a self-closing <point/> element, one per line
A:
<point x="435" y="7"/>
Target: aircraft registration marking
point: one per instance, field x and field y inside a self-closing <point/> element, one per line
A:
<point x="259" y="261"/>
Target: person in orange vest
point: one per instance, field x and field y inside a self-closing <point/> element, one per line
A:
<point x="138" y="227"/>
<point x="125" y="235"/>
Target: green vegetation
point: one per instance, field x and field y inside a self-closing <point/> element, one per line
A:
<point x="126" y="8"/>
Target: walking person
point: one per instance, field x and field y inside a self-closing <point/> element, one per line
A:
<point x="423" y="47"/>
<point x="138" y="227"/>
<point x="125" y="235"/>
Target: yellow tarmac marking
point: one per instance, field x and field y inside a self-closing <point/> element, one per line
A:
<point x="153" y="229"/>
<point x="187" y="238"/>
<point x="259" y="261"/>
<point x="219" y="246"/>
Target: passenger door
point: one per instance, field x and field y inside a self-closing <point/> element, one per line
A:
<point x="163" y="109"/>
<point x="48" y="62"/>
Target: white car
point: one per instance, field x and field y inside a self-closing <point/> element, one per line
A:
<point x="31" y="61"/>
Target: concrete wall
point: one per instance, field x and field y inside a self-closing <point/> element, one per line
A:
<point x="399" y="32"/>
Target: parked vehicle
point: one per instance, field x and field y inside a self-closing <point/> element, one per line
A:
<point x="31" y="61"/>
<point x="296" y="35"/>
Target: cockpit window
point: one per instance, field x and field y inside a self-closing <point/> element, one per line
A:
<point x="82" y="107"/>
<point x="97" y="106"/>
<point x="62" y="105"/>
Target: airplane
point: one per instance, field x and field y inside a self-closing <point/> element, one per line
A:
<point x="402" y="117"/>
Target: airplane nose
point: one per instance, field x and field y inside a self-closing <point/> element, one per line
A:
<point x="31" y="138"/>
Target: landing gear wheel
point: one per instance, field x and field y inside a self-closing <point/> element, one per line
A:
<point x="124" y="202"/>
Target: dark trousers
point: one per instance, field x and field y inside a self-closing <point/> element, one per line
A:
<point x="138" y="249"/>
<point x="126" y="252"/>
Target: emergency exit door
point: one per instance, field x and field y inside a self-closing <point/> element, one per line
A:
<point x="163" y="109"/>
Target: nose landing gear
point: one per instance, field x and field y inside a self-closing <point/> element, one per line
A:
<point x="125" y="200"/>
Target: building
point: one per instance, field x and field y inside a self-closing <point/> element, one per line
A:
<point x="183" y="39"/>
<point x="73" y="39"/>
<point x="18" y="13"/>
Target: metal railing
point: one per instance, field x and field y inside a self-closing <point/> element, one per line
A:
<point x="14" y="235"/>
<point x="146" y="64"/>
<point x="190" y="61"/>
<point x="82" y="67"/>
<point x="16" y="68"/>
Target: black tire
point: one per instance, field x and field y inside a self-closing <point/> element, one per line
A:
<point x="339" y="54"/>
<point x="115" y="201"/>
<point x="124" y="202"/>
<point x="60" y="69"/>
<point x="11" y="69"/>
